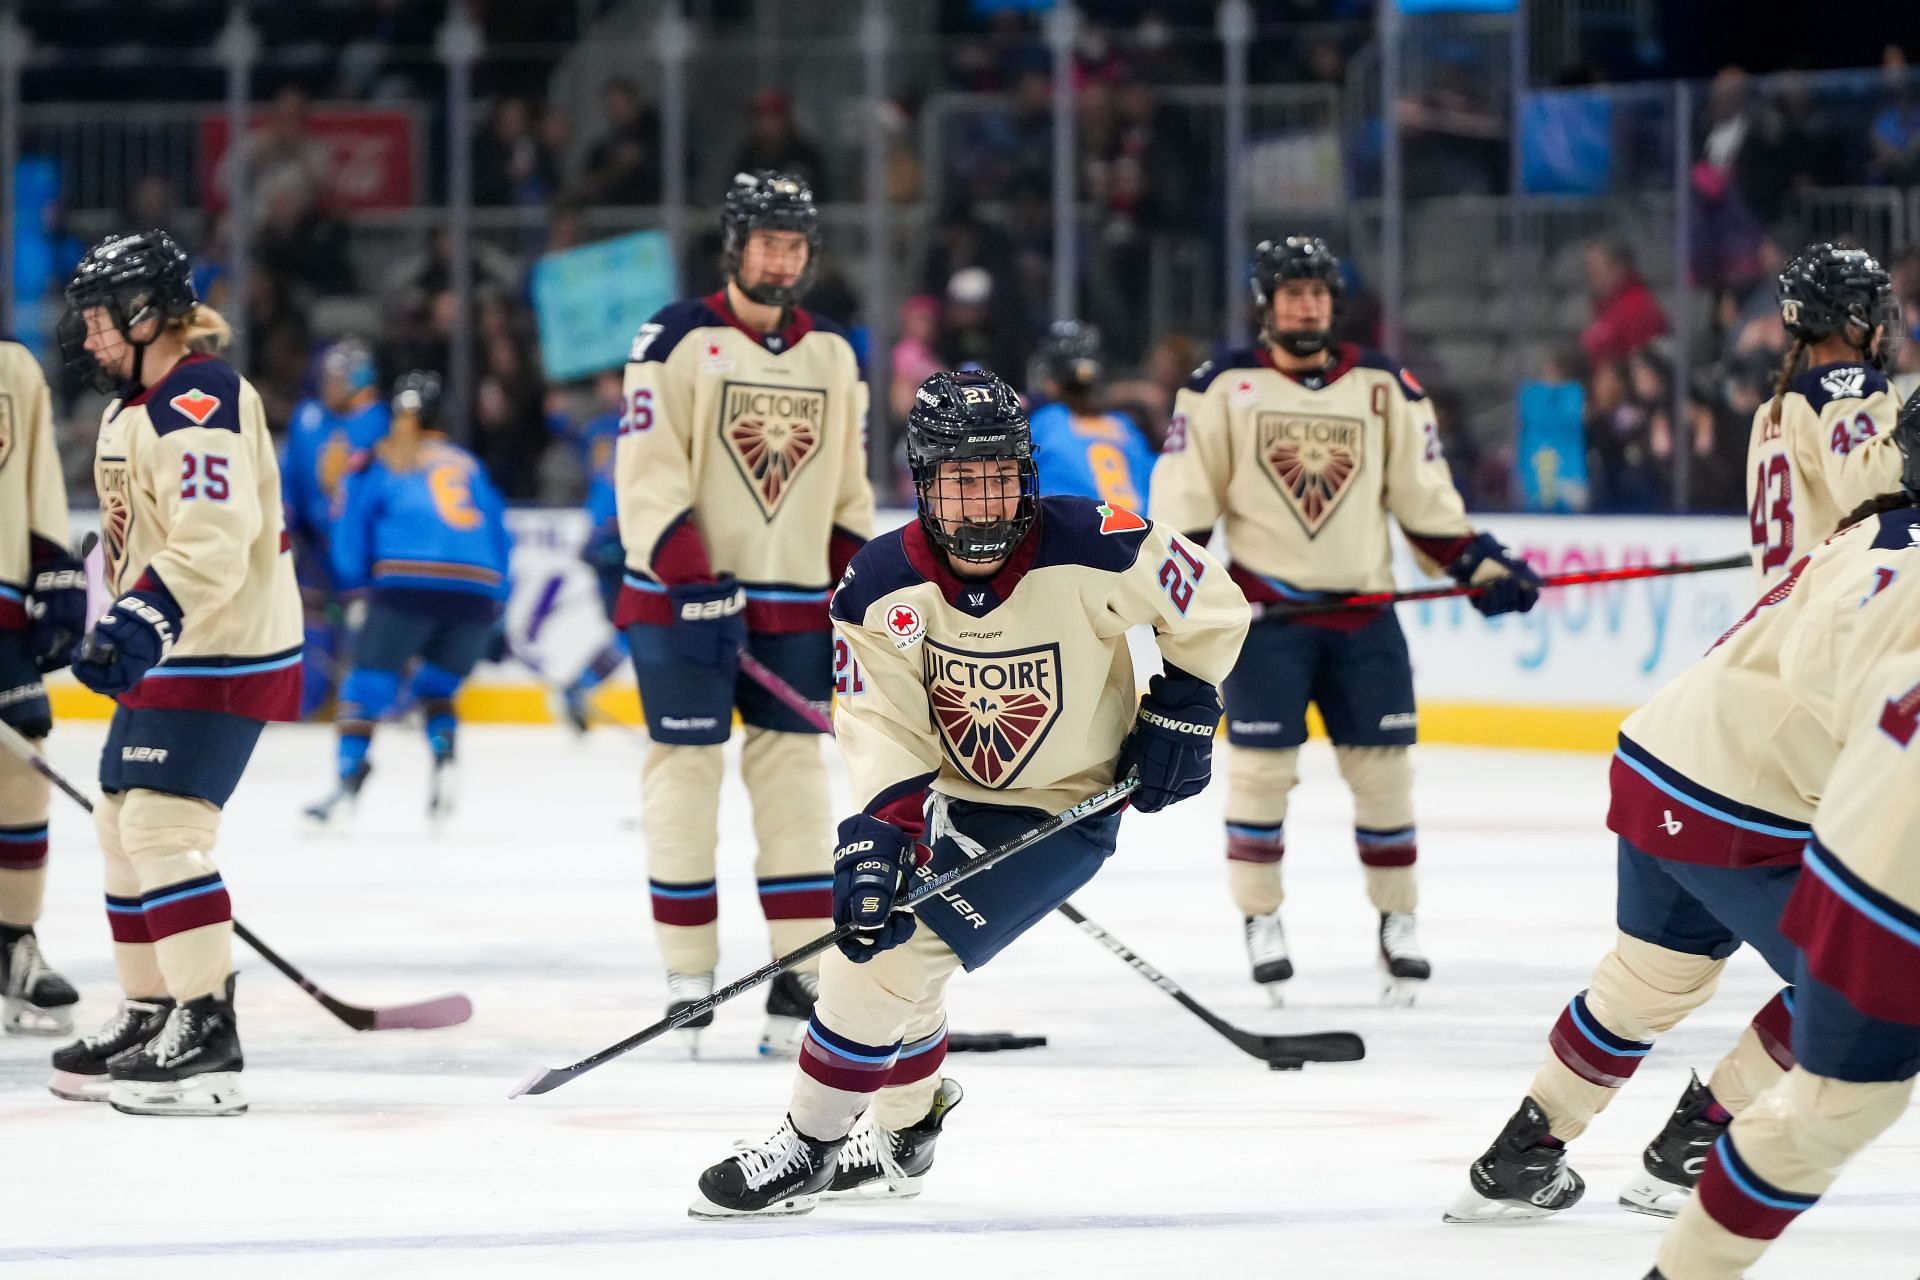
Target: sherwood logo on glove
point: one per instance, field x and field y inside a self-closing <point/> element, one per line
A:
<point x="1168" y="723"/>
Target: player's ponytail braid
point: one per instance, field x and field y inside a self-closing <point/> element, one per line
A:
<point x="1788" y="367"/>
<point x="1898" y="500"/>
<point x="203" y="328"/>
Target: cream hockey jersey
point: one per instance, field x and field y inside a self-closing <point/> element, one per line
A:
<point x="744" y="453"/>
<point x="1305" y="471"/>
<point x="1016" y="690"/>
<point x="190" y="500"/>
<point x="1726" y="764"/>
<point x="33" y="495"/>
<point x="1831" y="451"/>
<point x="1855" y="911"/>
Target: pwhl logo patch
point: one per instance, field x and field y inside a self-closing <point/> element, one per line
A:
<point x="196" y="406"/>
<point x="1311" y="460"/>
<point x="771" y="433"/>
<point x="993" y="709"/>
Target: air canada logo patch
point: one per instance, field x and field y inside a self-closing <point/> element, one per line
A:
<point x="1311" y="459"/>
<point x="904" y="624"/>
<point x="993" y="710"/>
<point x="771" y="433"/>
<point x="1118" y="519"/>
<point x="196" y="406"/>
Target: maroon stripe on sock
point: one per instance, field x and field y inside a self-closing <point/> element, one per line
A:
<point x="23" y="855"/>
<point x="169" y="918"/>
<point x="798" y="904"/>
<point x="1774" y="1026"/>
<point x="911" y="1069"/>
<point x="686" y="911"/>
<point x="1389" y="855"/>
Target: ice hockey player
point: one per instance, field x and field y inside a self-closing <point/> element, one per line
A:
<point x="322" y="439"/>
<point x="984" y="682"/>
<point x="602" y="553"/>
<point x="43" y="611"/>
<point x="742" y="477"/>
<point x="1855" y="917"/>
<point x="201" y="648"/>
<point x="1306" y="447"/>
<point x="1713" y="785"/>
<point x="1090" y="452"/>
<point x="423" y="532"/>
<point x="1820" y="447"/>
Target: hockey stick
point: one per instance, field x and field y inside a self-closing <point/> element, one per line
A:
<point x="1281" y="1052"/>
<point x="547" y="1079"/>
<point x="1295" y="608"/>
<point x="444" y="1011"/>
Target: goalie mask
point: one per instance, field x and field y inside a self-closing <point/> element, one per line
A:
<point x="976" y="515"/>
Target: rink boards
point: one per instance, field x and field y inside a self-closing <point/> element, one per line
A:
<point x="1560" y="677"/>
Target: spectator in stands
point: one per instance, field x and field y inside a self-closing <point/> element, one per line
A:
<point x="284" y="160"/>
<point x="511" y="163"/>
<point x="1620" y="464"/>
<point x="1740" y="182"/>
<point x="510" y="425"/>
<point x="152" y="203"/>
<point x="1147" y="396"/>
<point x="1626" y="315"/>
<point x="1753" y="318"/>
<point x="623" y="164"/>
<point x="1895" y="136"/>
<point x="969" y="331"/>
<point x="303" y="244"/>
<point x="773" y="141"/>
<point x="914" y="359"/>
<point x="1157" y="139"/>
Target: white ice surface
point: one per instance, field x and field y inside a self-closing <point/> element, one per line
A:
<point x="1136" y="1144"/>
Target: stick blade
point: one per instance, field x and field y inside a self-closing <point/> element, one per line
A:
<point x="443" y="1011"/>
<point x="540" y="1080"/>
<point x="1322" y="1046"/>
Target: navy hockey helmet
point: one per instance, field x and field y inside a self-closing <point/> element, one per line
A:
<point x="1830" y="289"/>
<point x="135" y="278"/>
<point x="417" y="392"/>
<point x="769" y="201"/>
<point x="1294" y="258"/>
<point x="1906" y="434"/>
<point x="971" y="417"/>
<point x="1069" y="357"/>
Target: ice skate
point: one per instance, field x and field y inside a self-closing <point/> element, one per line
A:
<point x="80" y="1068"/>
<point x="342" y="800"/>
<point x="191" y="1067"/>
<point x="1267" y="954"/>
<point x="1520" y="1178"/>
<point x="790" y="1000"/>
<point x="37" y="1001"/>
<point x="881" y="1164"/>
<point x="1404" y="964"/>
<point x="784" y="1175"/>
<point x="443" y="788"/>
<point x="684" y="989"/>
<point x="1673" y="1161"/>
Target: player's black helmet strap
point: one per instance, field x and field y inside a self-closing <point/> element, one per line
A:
<point x="982" y="515"/>
<point x="1294" y="258"/>
<point x="769" y="201"/>
<point x="133" y="278"/>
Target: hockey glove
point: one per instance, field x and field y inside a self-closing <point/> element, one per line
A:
<point x="57" y="608"/>
<point x="1171" y="744"/>
<point x="709" y="621"/>
<point x="1514" y="586"/>
<point x="131" y="638"/>
<point x="870" y="870"/>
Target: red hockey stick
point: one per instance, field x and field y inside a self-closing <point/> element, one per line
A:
<point x="1293" y="608"/>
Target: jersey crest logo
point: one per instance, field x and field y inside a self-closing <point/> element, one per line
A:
<point x="771" y="433"/>
<point x="116" y="520"/>
<point x="1118" y="519"/>
<point x="993" y="709"/>
<point x="6" y="427"/>
<point x="195" y="405"/>
<point x="905" y="625"/>
<point x="1843" y="384"/>
<point x="1311" y="460"/>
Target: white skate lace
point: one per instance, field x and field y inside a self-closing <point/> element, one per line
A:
<point x="1397" y="938"/>
<point x="871" y="1146"/>
<point x="783" y="1153"/>
<point x="811" y="981"/>
<point x="1266" y="940"/>
<point x="172" y="1037"/>
<point x="689" y="986"/>
<point x="1561" y="1184"/>
<point x="24" y="967"/>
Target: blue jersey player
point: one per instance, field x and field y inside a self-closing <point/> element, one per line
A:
<point x="1090" y="453"/>
<point x="423" y="530"/>
<point x="604" y="554"/>
<point x="325" y="433"/>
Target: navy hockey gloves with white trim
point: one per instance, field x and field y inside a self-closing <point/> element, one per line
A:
<point x="131" y="638"/>
<point x="57" y="608"/>
<point x="870" y="871"/>
<point x="709" y="621"/>
<point x="1512" y="585"/>
<point x="1171" y="744"/>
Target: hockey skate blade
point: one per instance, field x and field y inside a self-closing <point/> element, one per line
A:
<point x="1655" y="1197"/>
<point x="216" y="1093"/>
<point x="705" y="1210"/>
<point x="1400" y="993"/>
<point x="877" y="1191"/>
<point x="1474" y="1209"/>
<point x="75" y="1087"/>
<point x="23" y="1018"/>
